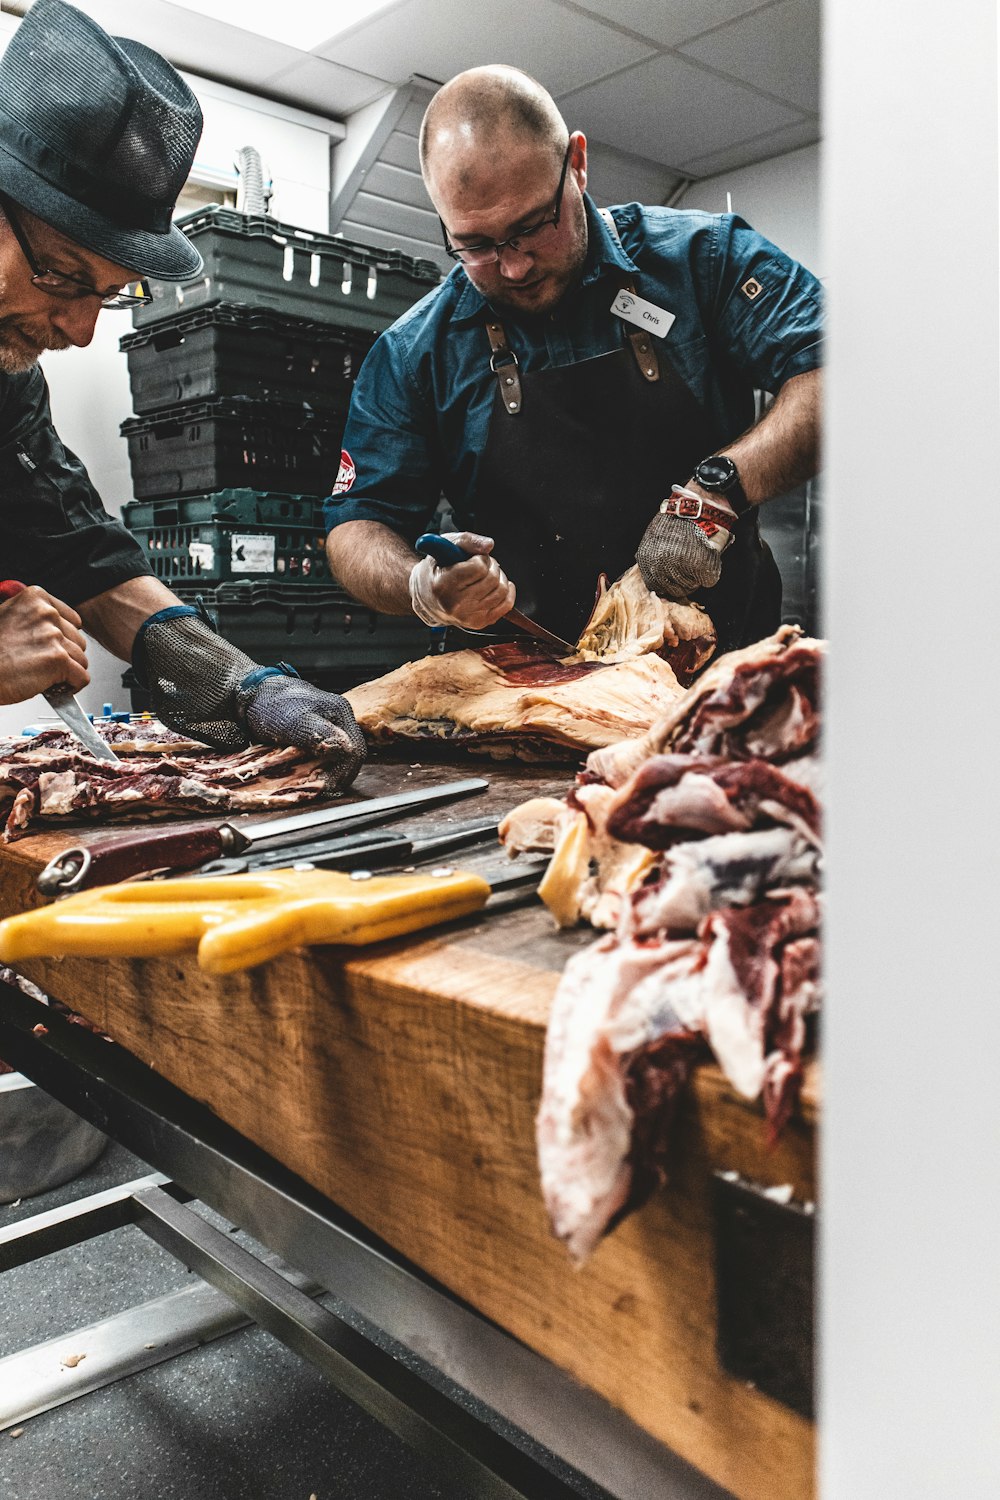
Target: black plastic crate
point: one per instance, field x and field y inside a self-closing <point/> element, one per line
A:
<point x="232" y="442"/>
<point x="193" y="540"/>
<point x="252" y="258"/>
<point x="256" y="507"/>
<point x="323" y="633"/>
<point x="233" y="350"/>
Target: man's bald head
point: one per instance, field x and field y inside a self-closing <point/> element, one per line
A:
<point x="479" y="108"/>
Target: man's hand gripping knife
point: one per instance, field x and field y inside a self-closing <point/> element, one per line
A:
<point x="472" y="594"/>
<point x="681" y="548"/>
<point x="203" y="687"/>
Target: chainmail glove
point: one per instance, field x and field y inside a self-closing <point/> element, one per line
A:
<point x="202" y="686"/>
<point x="681" y="548"/>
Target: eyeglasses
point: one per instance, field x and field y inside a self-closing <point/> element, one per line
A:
<point x="62" y="284"/>
<point x="536" y="234"/>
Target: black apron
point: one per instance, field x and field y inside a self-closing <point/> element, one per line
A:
<point x="571" y="477"/>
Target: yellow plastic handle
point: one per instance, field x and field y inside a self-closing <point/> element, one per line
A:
<point x="238" y="921"/>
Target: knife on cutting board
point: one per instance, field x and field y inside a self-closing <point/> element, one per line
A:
<point x="239" y="921"/>
<point x="446" y="553"/>
<point x="190" y="844"/>
<point x="60" y="697"/>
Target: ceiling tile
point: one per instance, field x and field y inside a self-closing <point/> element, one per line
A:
<point x="194" y="42"/>
<point x="776" y="143"/>
<point x="778" y="51"/>
<point x="668" y="25"/>
<point x="325" y="87"/>
<point x="670" y="111"/>
<point x="439" y="38"/>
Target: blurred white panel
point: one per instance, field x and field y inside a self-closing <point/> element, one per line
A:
<point x="673" y="111"/>
<point x="439" y="38"/>
<point x="777" y="50"/>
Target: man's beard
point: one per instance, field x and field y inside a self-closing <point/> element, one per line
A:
<point x="20" y="348"/>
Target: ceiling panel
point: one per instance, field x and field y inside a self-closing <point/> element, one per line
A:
<point x="401" y="151"/>
<point x="397" y="184"/>
<point x="318" y="84"/>
<point x="671" y="111"/>
<point x="667" y="24"/>
<point x="777" y="50"/>
<point x="774" y="144"/>
<point x="439" y="38"/>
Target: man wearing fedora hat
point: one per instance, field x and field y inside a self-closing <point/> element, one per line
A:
<point x="97" y="137"/>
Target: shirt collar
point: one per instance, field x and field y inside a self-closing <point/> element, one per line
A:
<point x="603" y="254"/>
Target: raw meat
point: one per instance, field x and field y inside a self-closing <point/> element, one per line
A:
<point x="43" y="784"/>
<point x="517" y="699"/>
<point x="513" y="699"/>
<point x="632" y="1016"/>
<point x="762" y="702"/>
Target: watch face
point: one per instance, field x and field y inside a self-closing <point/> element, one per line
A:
<point x="716" y="473"/>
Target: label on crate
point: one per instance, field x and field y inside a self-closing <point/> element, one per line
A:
<point x="252" y="554"/>
<point x="202" y="553"/>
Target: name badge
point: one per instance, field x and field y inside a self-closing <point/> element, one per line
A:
<point x="642" y="313"/>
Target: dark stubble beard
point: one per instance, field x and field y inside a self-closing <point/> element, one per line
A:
<point x="559" y="283"/>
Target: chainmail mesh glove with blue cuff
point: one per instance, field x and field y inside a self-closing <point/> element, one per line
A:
<point x="203" y="687"/>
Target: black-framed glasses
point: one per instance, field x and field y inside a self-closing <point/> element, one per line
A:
<point x="61" y="283"/>
<point x="535" y="235"/>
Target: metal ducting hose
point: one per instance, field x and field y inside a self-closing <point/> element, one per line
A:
<point x="252" y="197"/>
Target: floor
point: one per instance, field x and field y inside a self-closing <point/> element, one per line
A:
<point x="241" y="1418"/>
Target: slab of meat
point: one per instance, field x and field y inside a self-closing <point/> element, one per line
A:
<point x="632" y="1016"/>
<point x="515" y="700"/>
<point x="42" y="784"/>
<point x="760" y="702"/>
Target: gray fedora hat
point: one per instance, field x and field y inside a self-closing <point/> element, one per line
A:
<point x="97" y="137"/>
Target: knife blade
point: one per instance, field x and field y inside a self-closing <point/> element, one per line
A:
<point x="446" y="553"/>
<point x="183" y="847"/>
<point x="60" y="697"/>
<point x="351" y="851"/>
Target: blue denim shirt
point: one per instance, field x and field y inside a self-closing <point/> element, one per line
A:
<point x="422" y="402"/>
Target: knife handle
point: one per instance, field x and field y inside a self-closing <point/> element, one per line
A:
<point x="113" y="859"/>
<point x="444" y="553"/>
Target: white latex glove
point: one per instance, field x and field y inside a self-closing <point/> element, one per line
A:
<point x="472" y="594"/>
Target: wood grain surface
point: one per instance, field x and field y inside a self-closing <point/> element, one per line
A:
<point x="403" y="1083"/>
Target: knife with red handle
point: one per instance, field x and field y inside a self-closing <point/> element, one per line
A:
<point x="60" y="697"/>
<point x="183" y="847"/>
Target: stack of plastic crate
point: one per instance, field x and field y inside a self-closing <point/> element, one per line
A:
<point x="241" y="380"/>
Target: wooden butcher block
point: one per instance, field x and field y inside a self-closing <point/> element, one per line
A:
<point x="403" y="1080"/>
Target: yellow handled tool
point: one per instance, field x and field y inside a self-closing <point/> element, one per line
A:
<point x="236" y="921"/>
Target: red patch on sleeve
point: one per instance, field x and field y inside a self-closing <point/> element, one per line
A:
<point x="346" y="474"/>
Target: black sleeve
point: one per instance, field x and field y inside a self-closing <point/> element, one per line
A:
<point x="55" y="530"/>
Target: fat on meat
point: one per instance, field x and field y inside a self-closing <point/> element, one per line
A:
<point x="631" y="1018"/>
<point x="761" y="701"/>
<point x="43" y="784"/>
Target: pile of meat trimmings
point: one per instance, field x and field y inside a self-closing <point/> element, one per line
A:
<point x="698" y="845"/>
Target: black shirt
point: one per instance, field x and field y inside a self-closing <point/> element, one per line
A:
<point x="54" y="530"/>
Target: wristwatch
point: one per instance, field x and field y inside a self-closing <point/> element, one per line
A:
<point x="720" y="476"/>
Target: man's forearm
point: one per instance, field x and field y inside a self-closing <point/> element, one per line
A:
<point x="114" y="617"/>
<point x="373" y="563"/>
<point x="782" y="450"/>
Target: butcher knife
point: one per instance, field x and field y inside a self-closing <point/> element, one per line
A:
<point x="60" y="697"/>
<point x="445" y="553"/>
<point x="187" y="845"/>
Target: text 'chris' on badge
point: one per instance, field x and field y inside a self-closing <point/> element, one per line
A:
<point x="642" y="313"/>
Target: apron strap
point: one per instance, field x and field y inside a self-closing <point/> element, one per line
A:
<point x="642" y="348"/>
<point x="503" y="363"/>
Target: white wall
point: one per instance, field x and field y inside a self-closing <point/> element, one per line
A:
<point x="910" y="1287"/>
<point x="780" y="198"/>
<point x="89" y="387"/>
